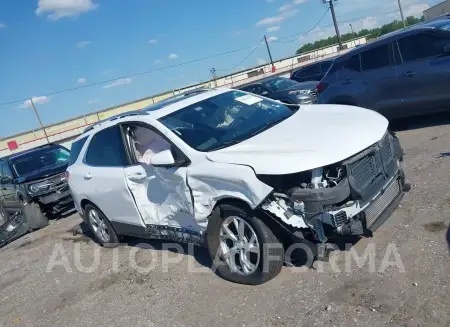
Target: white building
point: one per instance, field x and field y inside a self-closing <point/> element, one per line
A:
<point x="437" y="10"/>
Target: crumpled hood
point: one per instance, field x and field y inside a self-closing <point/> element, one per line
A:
<point x="315" y="136"/>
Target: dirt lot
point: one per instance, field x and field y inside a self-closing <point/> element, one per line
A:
<point x="414" y="290"/>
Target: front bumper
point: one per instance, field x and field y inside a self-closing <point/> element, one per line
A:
<point x="57" y="201"/>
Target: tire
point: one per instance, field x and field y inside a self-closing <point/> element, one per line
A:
<point x="100" y="226"/>
<point x="34" y="216"/>
<point x="269" y="249"/>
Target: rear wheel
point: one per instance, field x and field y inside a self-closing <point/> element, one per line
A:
<point x="34" y="216"/>
<point x="100" y="226"/>
<point x="243" y="249"/>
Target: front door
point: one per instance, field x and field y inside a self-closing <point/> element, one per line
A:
<point x="162" y="195"/>
<point x="9" y="196"/>
<point x="102" y="177"/>
<point x="424" y="73"/>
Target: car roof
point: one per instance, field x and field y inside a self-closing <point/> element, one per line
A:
<point x="149" y="113"/>
<point x="34" y="150"/>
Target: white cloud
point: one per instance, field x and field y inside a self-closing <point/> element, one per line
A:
<point x="297" y="2"/>
<point x="92" y="101"/>
<point x="278" y="18"/>
<point x="260" y="61"/>
<point x="286" y="7"/>
<point x="36" y="100"/>
<point x="153" y="41"/>
<point x="119" y="82"/>
<point x="272" y="38"/>
<point x="157" y="61"/>
<point x="57" y="9"/>
<point x="2" y="25"/>
<point x="173" y="56"/>
<point x="273" y="29"/>
<point x="81" y="81"/>
<point x="83" y="44"/>
<point x="416" y="9"/>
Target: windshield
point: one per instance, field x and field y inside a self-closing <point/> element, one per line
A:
<point x="278" y="84"/>
<point x="225" y="119"/>
<point x="39" y="160"/>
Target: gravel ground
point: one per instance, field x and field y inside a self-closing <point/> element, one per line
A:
<point x="410" y="288"/>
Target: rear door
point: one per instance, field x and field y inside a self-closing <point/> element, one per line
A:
<point x="102" y="177"/>
<point x="380" y="81"/>
<point x="425" y="69"/>
<point x="162" y="194"/>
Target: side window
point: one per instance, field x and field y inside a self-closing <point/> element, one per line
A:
<point x="76" y="149"/>
<point x="106" y="149"/>
<point x="353" y="64"/>
<point x="299" y="74"/>
<point x="421" y="46"/>
<point x="145" y="143"/>
<point x="376" y="58"/>
<point x="7" y="171"/>
<point x="312" y="70"/>
<point x="325" y="66"/>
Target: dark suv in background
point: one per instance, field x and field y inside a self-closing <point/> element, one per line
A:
<point x="401" y="74"/>
<point x="33" y="186"/>
<point x="313" y="72"/>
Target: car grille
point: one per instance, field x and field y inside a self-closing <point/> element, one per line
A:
<point x="375" y="209"/>
<point x="57" y="182"/>
<point x="373" y="165"/>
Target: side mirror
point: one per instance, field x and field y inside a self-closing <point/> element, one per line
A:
<point x="163" y="159"/>
<point x="5" y="180"/>
<point x="447" y="49"/>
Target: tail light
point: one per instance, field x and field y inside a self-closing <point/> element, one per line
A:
<point x="321" y="87"/>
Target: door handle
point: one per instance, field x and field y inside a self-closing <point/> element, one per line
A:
<point x="410" y="73"/>
<point x="349" y="81"/>
<point x="88" y="176"/>
<point x="136" y="177"/>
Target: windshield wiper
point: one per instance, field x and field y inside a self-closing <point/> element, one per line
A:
<point x="227" y="144"/>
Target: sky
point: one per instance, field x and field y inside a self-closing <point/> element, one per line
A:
<point x="48" y="46"/>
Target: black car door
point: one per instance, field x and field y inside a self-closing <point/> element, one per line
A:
<point x="8" y="188"/>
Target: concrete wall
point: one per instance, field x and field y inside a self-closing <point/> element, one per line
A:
<point x="65" y="131"/>
<point x="437" y="10"/>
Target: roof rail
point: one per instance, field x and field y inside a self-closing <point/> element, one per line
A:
<point x="122" y="115"/>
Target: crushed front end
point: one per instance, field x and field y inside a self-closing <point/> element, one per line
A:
<point x="52" y="194"/>
<point x="351" y="197"/>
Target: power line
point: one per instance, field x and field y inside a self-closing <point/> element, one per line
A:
<point x="309" y="31"/>
<point x="132" y="75"/>
<point x="241" y="62"/>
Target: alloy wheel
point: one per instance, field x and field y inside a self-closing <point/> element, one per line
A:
<point x="99" y="226"/>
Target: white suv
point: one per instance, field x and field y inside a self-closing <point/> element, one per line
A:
<point x="239" y="173"/>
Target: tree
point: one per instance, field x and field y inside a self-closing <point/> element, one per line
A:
<point x="370" y="34"/>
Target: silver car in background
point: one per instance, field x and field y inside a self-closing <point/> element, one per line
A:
<point x="401" y="74"/>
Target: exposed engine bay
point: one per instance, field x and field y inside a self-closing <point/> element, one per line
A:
<point x="345" y="198"/>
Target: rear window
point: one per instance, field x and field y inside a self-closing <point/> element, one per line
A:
<point x="76" y="149"/>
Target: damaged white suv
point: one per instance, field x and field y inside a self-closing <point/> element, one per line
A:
<point x="242" y="174"/>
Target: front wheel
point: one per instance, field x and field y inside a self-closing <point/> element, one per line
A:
<point x="101" y="227"/>
<point x="36" y="219"/>
<point x="243" y="249"/>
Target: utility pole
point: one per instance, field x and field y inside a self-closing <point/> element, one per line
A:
<point x="39" y="118"/>
<point x="214" y="76"/>
<point x="270" y="55"/>
<point x="401" y="13"/>
<point x="333" y="15"/>
<point x="353" y="34"/>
